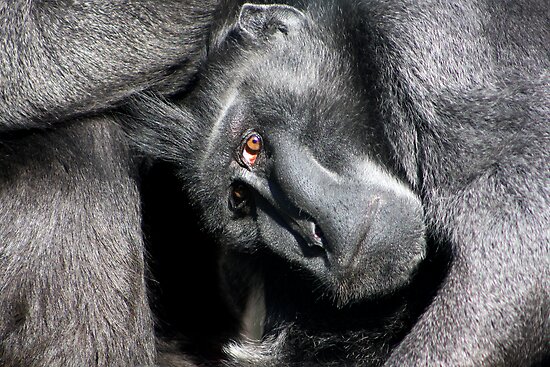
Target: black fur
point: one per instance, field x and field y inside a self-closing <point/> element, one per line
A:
<point x="72" y="268"/>
<point x="453" y="99"/>
<point x="61" y="59"/>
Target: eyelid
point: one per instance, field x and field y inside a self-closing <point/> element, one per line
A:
<point x="250" y="179"/>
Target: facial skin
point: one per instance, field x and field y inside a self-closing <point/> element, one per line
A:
<point x="332" y="211"/>
<point x="274" y="161"/>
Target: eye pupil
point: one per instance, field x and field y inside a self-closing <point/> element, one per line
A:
<point x="239" y="193"/>
<point x="251" y="149"/>
<point x="254" y="143"/>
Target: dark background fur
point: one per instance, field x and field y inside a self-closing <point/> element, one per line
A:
<point x="73" y="265"/>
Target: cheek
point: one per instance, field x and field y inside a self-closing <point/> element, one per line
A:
<point x="278" y="238"/>
<point x="241" y="236"/>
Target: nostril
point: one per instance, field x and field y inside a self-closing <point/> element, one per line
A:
<point x="316" y="235"/>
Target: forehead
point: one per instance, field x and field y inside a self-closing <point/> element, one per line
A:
<point x="305" y="84"/>
<point x="296" y="81"/>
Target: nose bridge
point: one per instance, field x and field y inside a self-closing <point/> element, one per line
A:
<point x="329" y="198"/>
<point x="302" y="178"/>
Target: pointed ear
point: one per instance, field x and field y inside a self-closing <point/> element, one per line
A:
<point x="261" y="21"/>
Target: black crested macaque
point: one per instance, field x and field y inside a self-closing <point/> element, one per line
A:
<point x="378" y="172"/>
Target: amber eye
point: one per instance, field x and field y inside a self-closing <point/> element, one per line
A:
<point x="240" y="199"/>
<point x="251" y="149"/>
<point x="239" y="194"/>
